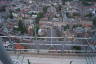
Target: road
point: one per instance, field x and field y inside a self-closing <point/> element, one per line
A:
<point x="45" y="59"/>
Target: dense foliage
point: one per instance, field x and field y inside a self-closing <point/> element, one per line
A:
<point x="94" y="21"/>
<point x="21" y="27"/>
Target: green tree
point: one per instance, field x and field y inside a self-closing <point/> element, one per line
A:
<point x="58" y="9"/>
<point x="45" y="9"/>
<point x="94" y="21"/>
<point x="37" y="20"/>
<point x="10" y="14"/>
<point x="76" y="14"/>
<point x="21" y="27"/>
<point x="77" y="25"/>
<point x="76" y="47"/>
<point x="36" y="23"/>
<point x="85" y="3"/>
<point x="68" y="15"/>
<point x="89" y="15"/>
<point x="40" y="15"/>
<point x="88" y="0"/>
<point x="18" y="9"/>
<point x="36" y="28"/>
<point x="66" y="27"/>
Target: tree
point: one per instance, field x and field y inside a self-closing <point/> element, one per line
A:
<point x="59" y="8"/>
<point x="36" y="28"/>
<point x="45" y="9"/>
<point x="68" y="15"/>
<point x="37" y="20"/>
<point x="85" y="3"/>
<point x="77" y="47"/>
<point x="36" y="23"/>
<point x="88" y="0"/>
<point x="76" y="14"/>
<point x="77" y="25"/>
<point x="40" y="15"/>
<point x="94" y="21"/>
<point x="89" y="15"/>
<point x="66" y="27"/>
<point x="66" y="0"/>
<point x="10" y="14"/>
<point x="21" y="27"/>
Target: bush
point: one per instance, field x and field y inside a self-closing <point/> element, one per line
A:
<point x="94" y="22"/>
<point x="68" y="15"/>
<point x="36" y="28"/>
<point x="76" y="47"/>
<point x="45" y="9"/>
<point x="76" y="14"/>
<point x="21" y="27"/>
<point x="77" y="25"/>
<point x="40" y="15"/>
<point x="89" y="15"/>
<point x="66" y="27"/>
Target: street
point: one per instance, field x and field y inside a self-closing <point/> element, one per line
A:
<point x="49" y="59"/>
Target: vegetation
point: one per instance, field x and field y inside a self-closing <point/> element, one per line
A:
<point x="80" y="0"/>
<point x="73" y="15"/>
<point x="40" y="15"/>
<point x="31" y="13"/>
<point x="76" y="47"/>
<point x="21" y="27"/>
<point x="36" y="28"/>
<point x="66" y="0"/>
<point x="94" y="21"/>
<point x="89" y="15"/>
<point x="66" y="27"/>
<point x="76" y="14"/>
<point x="88" y="0"/>
<point x="58" y="9"/>
<point x="45" y="9"/>
<point x="10" y="14"/>
<point x="18" y="9"/>
<point x="85" y="3"/>
<point x="37" y="20"/>
<point x="36" y="23"/>
<point x="77" y="25"/>
<point x="68" y="15"/>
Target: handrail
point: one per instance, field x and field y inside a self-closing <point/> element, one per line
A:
<point x="45" y="37"/>
<point x="89" y="51"/>
<point x="52" y="44"/>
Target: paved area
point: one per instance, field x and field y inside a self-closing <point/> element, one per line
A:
<point x="43" y="59"/>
